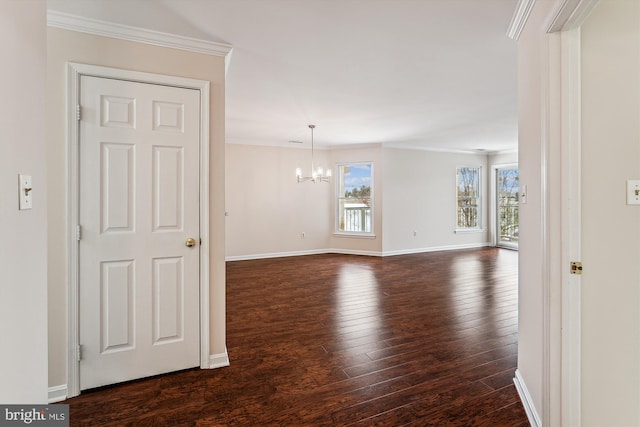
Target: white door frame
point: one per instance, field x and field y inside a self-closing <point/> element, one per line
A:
<point x="74" y="72"/>
<point x="563" y="119"/>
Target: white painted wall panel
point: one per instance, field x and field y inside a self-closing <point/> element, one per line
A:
<point x="23" y="247"/>
<point x="610" y="228"/>
<point x="531" y="75"/>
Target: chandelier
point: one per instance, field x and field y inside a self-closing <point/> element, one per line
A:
<point x="317" y="174"/>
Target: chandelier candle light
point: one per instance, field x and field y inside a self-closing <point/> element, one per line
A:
<point x="317" y="175"/>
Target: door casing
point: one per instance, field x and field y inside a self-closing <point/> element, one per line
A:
<point x="74" y="72"/>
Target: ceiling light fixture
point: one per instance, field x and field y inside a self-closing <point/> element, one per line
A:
<point x="317" y="175"/>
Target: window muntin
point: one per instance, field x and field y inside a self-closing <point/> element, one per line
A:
<point x="468" y="197"/>
<point x="355" y="198"/>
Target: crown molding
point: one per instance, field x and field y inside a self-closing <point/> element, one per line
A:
<point x="403" y="146"/>
<point x="500" y="152"/>
<point x="570" y="14"/>
<point x="519" y="19"/>
<point x="97" y="27"/>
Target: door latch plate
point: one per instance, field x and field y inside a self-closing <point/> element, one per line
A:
<point x="576" y="267"/>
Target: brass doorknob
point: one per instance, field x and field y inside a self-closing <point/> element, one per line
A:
<point x="190" y="242"/>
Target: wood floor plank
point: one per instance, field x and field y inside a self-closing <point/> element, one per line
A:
<point x="322" y="340"/>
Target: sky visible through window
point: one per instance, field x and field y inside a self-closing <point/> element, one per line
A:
<point x="355" y="176"/>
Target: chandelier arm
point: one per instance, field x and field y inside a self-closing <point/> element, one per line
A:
<point x="313" y="165"/>
<point x="316" y="175"/>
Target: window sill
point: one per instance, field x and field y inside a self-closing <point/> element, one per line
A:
<point x="356" y="235"/>
<point x="469" y="230"/>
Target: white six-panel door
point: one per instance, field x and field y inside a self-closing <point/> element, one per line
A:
<point x="139" y="186"/>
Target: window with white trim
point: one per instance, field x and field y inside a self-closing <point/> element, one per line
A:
<point x="355" y="198"/>
<point x="468" y="197"/>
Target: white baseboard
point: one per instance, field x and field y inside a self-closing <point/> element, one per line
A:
<point x="353" y="252"/>
<point x="275" y="255"/>
<point x="219" y="360"/>
<point x="357" y="252"/>
<point x="435" y="249"/>
<point x="527" y="401"/>
<point x="57" y="393"/>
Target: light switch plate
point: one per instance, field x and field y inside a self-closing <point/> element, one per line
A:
<point x="523" y="195"/>
<point x="633" y="192"/>
<point x="25" y="192"/>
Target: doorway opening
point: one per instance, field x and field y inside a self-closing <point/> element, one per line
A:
<point x="507" y="183"/>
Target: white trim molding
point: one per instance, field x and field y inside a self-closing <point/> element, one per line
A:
<point x="409" y="146"/>
<point x="219" y="360"/>
<point x="74" y="73"/>
<point x="358" y="252"/>
<point x="436" y="249"/>
<point x="97" y="27"/>
<point x="276" y="255"/>
<point x="570" y="14"/>
<point x="571" y="217"/>
<point x="469" y="230"/>
<point x="57" y="393"/>
<point x="354" y="252"/>
<point x="519" y="19"/>
<point x="353" y="235"/>
<point x="527" y="401"/>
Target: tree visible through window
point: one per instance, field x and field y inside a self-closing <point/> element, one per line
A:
<point x="355" y="198"/>
<point x="508" y="186"/>
<point x="468" y="194"/>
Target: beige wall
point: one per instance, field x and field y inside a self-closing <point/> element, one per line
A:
<point x="23" y="248"/>
<point x="610" y="228"/>
<point x="67" y="46"/>
<point x="419" y="195"/>
<point x="267" y="209"/>
<point x="413" y="190"/>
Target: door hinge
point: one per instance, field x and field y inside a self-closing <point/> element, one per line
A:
<point x="78" y="112"/>
<point x="576" y="267"/>
<point x="79" y="353"/>
<point x="78" y="232"/>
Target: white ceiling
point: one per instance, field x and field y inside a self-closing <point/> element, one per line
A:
<point x="436" y="74"/>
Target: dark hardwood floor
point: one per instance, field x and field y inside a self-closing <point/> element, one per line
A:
<point x="419" y="340"/>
